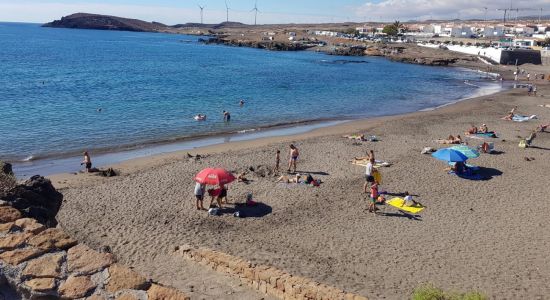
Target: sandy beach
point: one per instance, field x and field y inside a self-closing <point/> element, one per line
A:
<point x="488" y="235"/>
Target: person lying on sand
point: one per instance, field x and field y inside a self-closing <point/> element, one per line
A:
<point x="241" y="177"/>
<point x="451" y="140"/>
<point x="409" y="200"/>
<point x="358" y="137"/>
<point x="509" y="116"/>
<point x="370" y="155"/>
<point x="472" y="130"/>
<point x="286" y="179"/>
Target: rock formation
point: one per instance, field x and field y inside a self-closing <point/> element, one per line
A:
<point x="36" y="198"/>
<point x="102" y="22"/>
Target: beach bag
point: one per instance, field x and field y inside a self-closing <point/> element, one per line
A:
<point x="316" y="182"/>
<point x="522" y="144"/>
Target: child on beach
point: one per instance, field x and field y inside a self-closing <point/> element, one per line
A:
<point x="277" y="160"/>
<point x="293" y="157"/>
<point x="87" y="162"/>
<point x="199" y="195"/>
<point x="373" y="197"/>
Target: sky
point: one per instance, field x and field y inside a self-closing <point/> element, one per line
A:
<point x="270" y="11"/>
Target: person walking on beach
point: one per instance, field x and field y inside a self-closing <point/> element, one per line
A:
<point x="294" y="153"/>
<point x="87" y="162"/>
<point x="277" y="160"/>
<point x="199" y="195"/>
<point x="226" y="116"/>
<point x="369" y="171"/>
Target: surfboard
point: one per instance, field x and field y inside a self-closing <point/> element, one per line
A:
<point x="398" y="203"/>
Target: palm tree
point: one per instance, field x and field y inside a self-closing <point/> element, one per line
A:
<point x="398" y="26"/>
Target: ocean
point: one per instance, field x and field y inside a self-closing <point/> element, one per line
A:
<point x="67" y="90"/>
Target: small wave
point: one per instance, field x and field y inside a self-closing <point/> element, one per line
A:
<point x="246" y="130"/>
<point x="28" y="158"/>
<point x="471" y="84"/>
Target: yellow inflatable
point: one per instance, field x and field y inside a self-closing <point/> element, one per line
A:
<point x="399" y="203"/>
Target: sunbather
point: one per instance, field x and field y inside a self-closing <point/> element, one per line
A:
<point x="472" y="130"/>
<point x="358" y="137"/>
<point x="542" y="128"/>
<point x="509" y="116"/>
<point x="458" y="167"/>
<point x="485" y="147"/>
<point x="451" y="140"/>
<point x="286" y="179"/>
<point x="409" y="201"/>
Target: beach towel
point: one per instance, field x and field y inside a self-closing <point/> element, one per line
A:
<point x="399" y="203"/>
<point x="520" y="118"/>
<point x="490" y="134"/>
<point x="364" y="162"/>
<point x="468" y="175"/>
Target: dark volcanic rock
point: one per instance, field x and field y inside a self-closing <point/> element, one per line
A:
<point x="5" y="168"/>
<point x="36" y="198"/>
<point x="269" y="45"/>
<point x="101" y="22"/>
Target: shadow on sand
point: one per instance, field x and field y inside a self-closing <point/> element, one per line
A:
<point x="257" y="211"/>
<point x="401" y="214"/>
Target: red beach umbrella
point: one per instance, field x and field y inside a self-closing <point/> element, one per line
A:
<point x="214" y="176"/>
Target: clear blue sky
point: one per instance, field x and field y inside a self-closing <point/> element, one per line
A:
<point x="271" y="11"/>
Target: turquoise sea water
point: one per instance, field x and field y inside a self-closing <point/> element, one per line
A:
<point x="149" y="86"/>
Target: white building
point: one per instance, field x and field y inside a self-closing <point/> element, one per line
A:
<point x="524" y="30"/>
<point x="493" y="31"/>
<point x="463" y="31"/>
<point x="524" y="43"/>
<point x="432" y="28"/>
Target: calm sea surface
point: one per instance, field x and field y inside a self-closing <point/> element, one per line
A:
<point x="149" y="87"/>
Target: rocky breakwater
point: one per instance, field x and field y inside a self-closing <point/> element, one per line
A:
<point x="268" y="45"/>
<point x="411" y="53"/>
<point x="38" y="261"/>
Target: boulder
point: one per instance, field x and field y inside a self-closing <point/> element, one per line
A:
<point x="36" y="198"/>
<point x="41" y="284"/>
<point x="13" y="241"/>
<point x="9" y="214"/>
<point x="5" y="168"/>
<point x="18" y="256"/>
<point x="85" y="261"/>
<point x="123" y="278"/>
<point x="51" y="239"/>
<point x="158" y="292"/>
<point x="47" y="266"/>
<point x="76" y="287"/>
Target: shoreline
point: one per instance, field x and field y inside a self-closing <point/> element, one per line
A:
<point x="63" y="163"/>
<point x="137" y="164"/>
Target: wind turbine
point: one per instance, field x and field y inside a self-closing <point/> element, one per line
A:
<point x="255" y="10"/>
<point x="202" y="9"/>
<point x="227" y="10"/>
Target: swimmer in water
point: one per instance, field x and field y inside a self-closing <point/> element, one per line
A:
<point x="241" y="103"/>
<point x="226" y="116"/>
<point x="99" y="109"/>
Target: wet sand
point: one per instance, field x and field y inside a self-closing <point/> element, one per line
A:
<point x="489" y="235"/>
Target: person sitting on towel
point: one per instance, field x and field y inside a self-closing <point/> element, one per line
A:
<point x="483" y="129"/>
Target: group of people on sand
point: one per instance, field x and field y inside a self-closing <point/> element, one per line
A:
<point x="219" y="194"/>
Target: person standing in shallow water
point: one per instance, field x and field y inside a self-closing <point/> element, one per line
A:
<point x="294" y="153"/>
<point x="87" y="162"/>
<point x="226" y="116"/>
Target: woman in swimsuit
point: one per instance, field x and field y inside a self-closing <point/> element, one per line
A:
<point x="293" y="157"/>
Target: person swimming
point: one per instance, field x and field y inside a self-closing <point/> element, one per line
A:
<point x="241" y="103"/>
<point x="200" y="117"/>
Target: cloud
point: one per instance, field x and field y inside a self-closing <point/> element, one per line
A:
<point x="387" y="10"/>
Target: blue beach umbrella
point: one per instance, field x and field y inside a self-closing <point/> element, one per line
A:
<point x="448" y="154"/>
<point x="469" y="152"/>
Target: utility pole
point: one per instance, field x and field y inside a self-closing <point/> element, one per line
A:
<point x="485" y="16"/>
<point x="202" y="9"/>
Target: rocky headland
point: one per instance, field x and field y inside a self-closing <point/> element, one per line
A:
<point x="103" y="22"/>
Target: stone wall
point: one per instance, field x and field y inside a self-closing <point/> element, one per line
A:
<point x="46" y="263"/>
<point x="265" y="279"/>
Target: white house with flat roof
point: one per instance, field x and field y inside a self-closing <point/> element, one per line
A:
<point x="493" y="31"/>
<point x="461" y="31"/>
